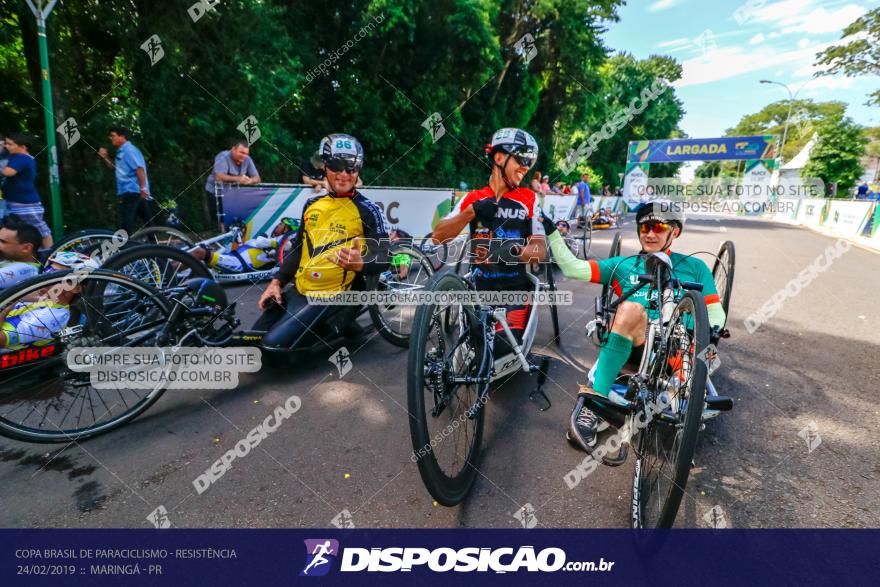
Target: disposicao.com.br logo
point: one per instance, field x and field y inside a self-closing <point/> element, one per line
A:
<point x="321" y="552"/>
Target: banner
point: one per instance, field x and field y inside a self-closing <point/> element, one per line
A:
<point x="873" y="222"/>
<point x="635" y="180"/>
<point x="558" y="207"/>
<point x="756" y="180"/>
<point x="847" y="217"/>
<point x="787" y="209"/>
<point x="810" y="212"/>
<point x="761" y="147"/>
<point x="415" y="210"/>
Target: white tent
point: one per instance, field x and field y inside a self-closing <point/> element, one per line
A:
<point x="792" y="169"/>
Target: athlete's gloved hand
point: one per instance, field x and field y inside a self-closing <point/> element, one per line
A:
<point x="549" y="226"/>
<point x="485" y="209"/>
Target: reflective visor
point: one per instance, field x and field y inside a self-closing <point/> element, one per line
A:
<point x="524" y="155"/>
<point x="340" y="163"/>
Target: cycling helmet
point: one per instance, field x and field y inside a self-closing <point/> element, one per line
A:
<point x="341" y="152"/>
<point x="661" y="211"/>
<point x="518" y="144"/>
<point x="291" y="223"/>
<point x="71" y="260"/>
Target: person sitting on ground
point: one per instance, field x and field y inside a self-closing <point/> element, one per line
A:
<point x="19" y="243"/>
<point x="255" y="254"/>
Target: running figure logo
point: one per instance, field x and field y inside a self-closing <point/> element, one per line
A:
<point x="319" y="554"/>
<point x="342" y="360"/>
<point x="69" y="131"/>
<point x="434" y="125"/>
<point x="154" y="50"/>
<point x="250" y="130"/>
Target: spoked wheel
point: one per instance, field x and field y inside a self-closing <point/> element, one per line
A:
<point x="666" y="445"/>
<point x="447" y="344"/>
<point x="89" y="242"/>
<point x="585" y="240"/>
<point x="159" y="266"/>
<point x="411" y="272"/>
<point x="41" y="398"/>
<point x="615" y="246"/>
<point x="163" y="235"/>
<point x="722" y="272"/>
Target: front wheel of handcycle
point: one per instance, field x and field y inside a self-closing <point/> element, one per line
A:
<point x="446" y="346"/>
<point x="671" y="414"/>
<point x="43" y="397"/>
<point x="722" y="273"/>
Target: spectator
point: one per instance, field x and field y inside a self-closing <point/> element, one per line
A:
<point x="557" y="187"/>
<point x="536" y="182"/>
<point x="618" y="192"/>
<point x="19" y="189"/>
<point x="19" y="243"/>
<point x="545" y="184"/>
<point x="606" y="191"/>
<point x="132" y="185"/>
<point x="233" y="165"/>
<point x="313" y="173"/>
<point x="4" y="157"/>
<point x="566" y="189"/>
<point x="584" y="198"/>
<point x="862" y="191"/>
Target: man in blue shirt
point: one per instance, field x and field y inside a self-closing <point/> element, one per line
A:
<point x="583" y="201"/>
<point x="132" y="185"/>
<point x="233" y="165"/>
<point x="19" y="189"/>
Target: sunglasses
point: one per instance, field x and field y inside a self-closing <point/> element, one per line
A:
<point x="655" y="227"/>
<point x="525" y="156"/>
<point x="339" y="164"/>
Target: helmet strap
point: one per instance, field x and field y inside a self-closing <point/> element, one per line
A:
<point x="502" y="171"/>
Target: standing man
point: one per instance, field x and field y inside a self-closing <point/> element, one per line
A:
<point x="132" y="185"/>
<point x="19" y="189"/>
<point x="584" y="198"/>
<point x="233" y="165"/>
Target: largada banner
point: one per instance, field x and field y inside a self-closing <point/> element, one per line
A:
<point x="761" y="147"/>
<point x="262" y="207"/>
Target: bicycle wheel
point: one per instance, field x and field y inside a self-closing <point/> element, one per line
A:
<point x="667" y="443"/>
<point x="585" y="241"/>
<point x="88" y="242"/>
<point x="160" y="266"/>
<point x="722" y="272"/>
<point x="163" y="235"/>
<point x="395" y="321"/>
<point x="615" y="246"/>
<point x="447" y="343"/>
<point x="41" y="398"/>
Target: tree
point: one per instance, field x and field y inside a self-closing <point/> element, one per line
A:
<point x="836" y="156"/>
<point x="859" y="56"/>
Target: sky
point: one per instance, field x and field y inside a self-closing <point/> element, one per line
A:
<point x="728" y="46"/>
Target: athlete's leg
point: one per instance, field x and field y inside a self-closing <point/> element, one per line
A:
<point x="294" y="321"/>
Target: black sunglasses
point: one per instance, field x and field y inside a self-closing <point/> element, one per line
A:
<point x="339" y="164"/>
<point x="523" y="155"/>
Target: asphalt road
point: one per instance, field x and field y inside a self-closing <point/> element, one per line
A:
<point x="345" y="454"/>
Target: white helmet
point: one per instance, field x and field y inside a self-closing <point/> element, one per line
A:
<point x="72" y="260"/>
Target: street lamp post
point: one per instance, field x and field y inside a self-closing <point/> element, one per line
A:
<point x="49" y="113"/>
<point x="788" y="117"/>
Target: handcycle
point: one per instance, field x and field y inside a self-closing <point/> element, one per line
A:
<point x="667" y="400"/>
<point x="451" y="367"/>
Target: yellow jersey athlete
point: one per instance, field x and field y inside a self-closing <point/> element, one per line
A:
<point x="341" y="238"/>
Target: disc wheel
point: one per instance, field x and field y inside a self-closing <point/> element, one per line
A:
<point x="673" y="412"/>
<point x="446" y="343"/>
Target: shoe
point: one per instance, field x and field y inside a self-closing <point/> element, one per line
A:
<point x="583" y="427"/>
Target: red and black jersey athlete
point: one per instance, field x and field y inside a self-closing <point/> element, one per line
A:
<point x="503" y="218"/>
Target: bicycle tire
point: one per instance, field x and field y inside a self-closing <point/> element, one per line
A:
<point x="554" y="314"/>
<point x="615" y="246"/>
<point x="88" y="242"/>
<point x="143" y="261"/>
<point x="448" y="488"/>
<point x="684" y="438"/>
<point x="42" y="371"/>
<point x="723" y="273"/>
<point x="398" y="336"/>
<point x="585" y="241"/>
<point x="163" y="235"/>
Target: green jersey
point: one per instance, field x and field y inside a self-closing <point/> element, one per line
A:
<point x="622" y="273"/>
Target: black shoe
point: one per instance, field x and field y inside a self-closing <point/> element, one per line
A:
<point x="583" y="427"/>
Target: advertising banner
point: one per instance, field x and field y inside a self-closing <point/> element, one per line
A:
<point x="415" y="210"/>
<point x="755" y="182"/>
<point x="718" y="149"/>
<point x="847" y="217"/>
<point x="559" y="207"/>
<point x="635" y="180"/>
<point x="810" y="212"/>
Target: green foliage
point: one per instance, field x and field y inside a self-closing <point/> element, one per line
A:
<point x="835" y="157"/>
<point x="860" y="56"/>
<point x="373" y="68"/>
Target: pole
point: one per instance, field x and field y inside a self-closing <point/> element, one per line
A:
<point x="785" y="128"/>
<point x="49" y="115"/>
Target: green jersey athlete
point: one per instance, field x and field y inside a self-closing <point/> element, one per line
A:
<point x="659" y="224"/>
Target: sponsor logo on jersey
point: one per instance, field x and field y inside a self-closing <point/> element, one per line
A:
<point x="511" y="213"/>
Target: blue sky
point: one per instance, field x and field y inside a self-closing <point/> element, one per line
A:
<point x="727" y="46"/>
